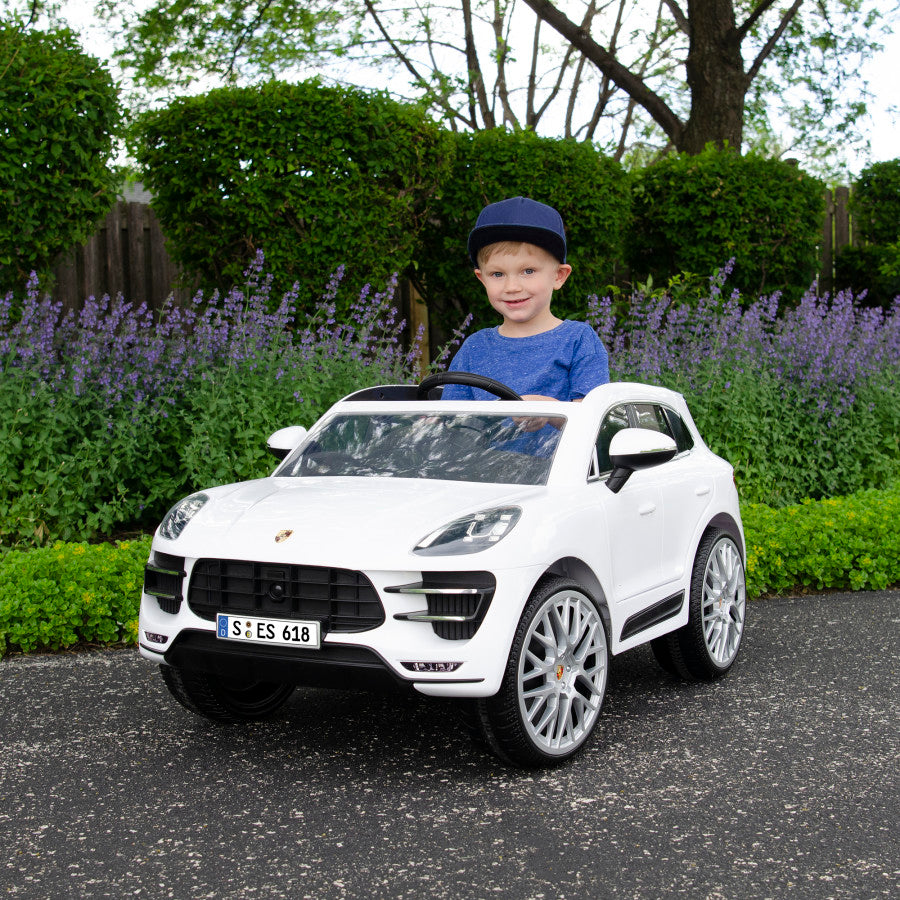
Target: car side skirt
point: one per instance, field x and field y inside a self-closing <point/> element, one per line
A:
<point x="666" y="608"/>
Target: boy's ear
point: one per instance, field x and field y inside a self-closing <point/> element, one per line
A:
<point x="562" y="273"/>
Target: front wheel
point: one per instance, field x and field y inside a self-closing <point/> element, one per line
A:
<point x="708" y="645"/>
<point x="225" y="699"/>
<point x="555" y="679"/>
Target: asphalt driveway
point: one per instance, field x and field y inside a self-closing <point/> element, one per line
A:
<point x="785" y="776"/>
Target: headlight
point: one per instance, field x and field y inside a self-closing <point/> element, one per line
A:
<point x="180" y="514"/>
<point x="471" y="533"/>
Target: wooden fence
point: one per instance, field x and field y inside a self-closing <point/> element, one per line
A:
<point x="127" y="254"/>
<point x="837" y="233"/>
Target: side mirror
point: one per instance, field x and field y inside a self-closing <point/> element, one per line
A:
<point x="632" y="449"/>
<point x="284" y="440"/>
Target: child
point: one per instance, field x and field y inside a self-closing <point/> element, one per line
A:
<point x="518" y="248"/>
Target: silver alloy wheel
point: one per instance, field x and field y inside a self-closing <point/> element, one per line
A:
<point x="724" y="601"/>
<point x="562" y="673"/>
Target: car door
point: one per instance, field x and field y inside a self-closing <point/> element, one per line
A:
<point x="685" y="486"/>
<point x="634" y="517"/>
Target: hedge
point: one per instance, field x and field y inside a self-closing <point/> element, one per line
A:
<point x="874" y="264"/>
<point x="60" y="114"/>
<point x="316" y="176"/>
<point x="693" y="212"/>
<point x="846" y="543"/>
<point x="58" y="596"/>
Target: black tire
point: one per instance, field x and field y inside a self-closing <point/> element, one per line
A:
<point x="224" y="699"/>
<point x="662" y="652"/>
<point x="707" y="646"/>
<point x="545" y="714"/>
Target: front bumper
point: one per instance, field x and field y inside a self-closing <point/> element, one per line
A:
<point x="407" y="650"/>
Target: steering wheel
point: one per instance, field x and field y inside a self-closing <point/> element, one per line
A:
<point x="470" y="380"/>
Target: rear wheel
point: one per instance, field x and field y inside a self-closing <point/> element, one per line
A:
<point x="707" y="646"/>
<point x="225" y="699"/>
<point x="555" y="679"/>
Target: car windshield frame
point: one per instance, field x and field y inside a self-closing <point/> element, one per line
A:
<point x="494" y="448"/>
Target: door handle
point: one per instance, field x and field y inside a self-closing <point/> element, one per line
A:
<point x="702" y="490"/>
<point x="647" y="509"/>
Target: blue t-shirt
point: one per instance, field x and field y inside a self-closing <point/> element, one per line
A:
<point x="565" y="362"/>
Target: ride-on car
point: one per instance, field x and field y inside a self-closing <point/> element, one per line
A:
<point x="498" y="552"/>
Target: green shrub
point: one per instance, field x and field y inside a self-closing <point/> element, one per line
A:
<point x="691" y="213"/>
<point x="590" y="191"/>
<point x="315" y="176"/>
<point x="874" y="266"/>
<point x="57" y="596"/>
<point x="60" y="115"/>
<point x="841" y="543"/>
<point x="875" y="203"/>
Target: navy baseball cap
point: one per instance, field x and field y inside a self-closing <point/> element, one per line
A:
<point x="519" y="219"/>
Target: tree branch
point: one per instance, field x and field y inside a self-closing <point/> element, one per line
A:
<point x="473" y="68"/>
<point x="772" y="41"/>
<point x="754" y="17"/>
<point x="634" y="86"/>
<point x="420" y="79"/>
<point x="251" y="27"/>
<point x="678" y="14"/>
<point x="502" y="50"/>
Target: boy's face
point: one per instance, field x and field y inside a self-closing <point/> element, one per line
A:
<point x="520" y="284"/>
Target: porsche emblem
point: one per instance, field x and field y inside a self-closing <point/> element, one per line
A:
<point x="283" y="535"/>
<point x="559" y="672"/>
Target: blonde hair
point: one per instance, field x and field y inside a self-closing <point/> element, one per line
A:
<point x="488" y="250"/>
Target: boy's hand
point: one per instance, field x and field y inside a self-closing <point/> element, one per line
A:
<point x="536" y="423"/>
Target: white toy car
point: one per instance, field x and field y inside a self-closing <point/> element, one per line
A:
<point x="497" y="552"/>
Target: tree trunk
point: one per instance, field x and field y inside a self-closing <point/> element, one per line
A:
<point x="716" y="77"/>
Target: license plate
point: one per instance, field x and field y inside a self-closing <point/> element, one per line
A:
<point x="286" y="632"/>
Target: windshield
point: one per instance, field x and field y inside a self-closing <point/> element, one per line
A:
<point x="455" y="447"/>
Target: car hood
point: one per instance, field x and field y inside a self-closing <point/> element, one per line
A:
<point x="345" y="522"/>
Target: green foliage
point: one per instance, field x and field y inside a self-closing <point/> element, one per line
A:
<point x="875" y="207"/>
<point x="70" y="468"/>
<point x="875" y="203"/>
<point x="227" y="415"/>
<point x="693" y="212"/>
<point x="589" y="190"/>
<point x="316" y="176"/>
<point x="873" y="268"/>
<point x="65" y="594"/>
<point x="177" y="42"/>
<point x="783" y="447"/>
<point x="840" y="543"/>
<point x="59" y="116"/>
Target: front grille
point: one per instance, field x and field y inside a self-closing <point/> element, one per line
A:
<point x="341" y="599"/>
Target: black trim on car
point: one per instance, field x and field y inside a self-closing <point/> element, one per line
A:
<point x="653" y="615"/>
<point x="457" y="602"/>
<point x="342" y="666"/>
<point x="164" y="580"/>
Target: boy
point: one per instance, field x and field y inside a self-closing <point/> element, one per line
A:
<point x="518" y="248"/>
